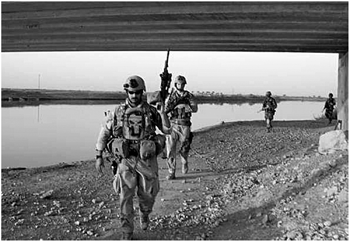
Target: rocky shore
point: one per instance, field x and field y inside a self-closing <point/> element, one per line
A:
<point x="243" y="184"/>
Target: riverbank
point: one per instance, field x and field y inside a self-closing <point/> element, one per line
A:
<point x="243" y="184"/>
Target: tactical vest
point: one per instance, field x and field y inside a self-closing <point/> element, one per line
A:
<point x="330" y="103"/>
<point x="270" y="104"/>
<point x="134" y="133"/>
<point x="133" y="123"/>
<point x="179" y="110"/>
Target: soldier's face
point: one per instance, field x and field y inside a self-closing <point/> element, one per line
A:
<point x="135" y="97"/>
<point x="180" y="86"/>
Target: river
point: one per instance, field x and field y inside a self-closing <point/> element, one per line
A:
<point x="34" y="136"/>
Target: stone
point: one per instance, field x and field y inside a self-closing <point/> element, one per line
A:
<point x="332" y="191"/>
<point x="47" y="194"/>
<point x="327" y="223"/>
<point x="331" y="141"/>
<point x="265" y="219"/>
<point x="343" y="196"/>
<point x="101" y="204"/>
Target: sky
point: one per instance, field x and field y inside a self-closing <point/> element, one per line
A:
<point x="292" y="74"/>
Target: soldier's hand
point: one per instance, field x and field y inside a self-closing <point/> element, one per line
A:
<point x="160" y="107"/>
<point x="99" y="164"/>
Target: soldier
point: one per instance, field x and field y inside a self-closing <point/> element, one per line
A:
<point x="179" y="105"/>
<point x="329" y="107"/>
<point x="129" y="134"/>
<point x="269" y="106"/>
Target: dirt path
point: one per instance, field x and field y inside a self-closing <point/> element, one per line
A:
<point x="243" y="184"/>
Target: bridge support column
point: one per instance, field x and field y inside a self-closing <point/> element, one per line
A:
<point x="343" y="95"/>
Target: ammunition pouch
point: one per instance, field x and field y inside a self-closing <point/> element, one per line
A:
<point x="183" y="101"/>
<point x="120" y="147"/>
<point x="159" y="141"/>
<point x="147" y="149"/>
<point x="181" y="115"/>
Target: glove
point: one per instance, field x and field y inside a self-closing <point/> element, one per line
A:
<point x="99" y="164"/>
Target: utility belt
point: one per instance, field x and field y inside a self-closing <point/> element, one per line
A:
<point x="145" y="148"/>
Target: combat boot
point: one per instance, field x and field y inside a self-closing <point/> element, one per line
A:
<point x="164" y="155"/>
<point x="127" y="236"/>
<point x="185" y="168"/>
<point x="144" y="221"/>
<point x="171" y="176"/>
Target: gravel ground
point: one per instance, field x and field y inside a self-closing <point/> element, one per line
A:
<point x="243" y="184"/>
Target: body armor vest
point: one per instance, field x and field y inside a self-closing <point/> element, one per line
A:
<point x="133" y="123"/>
<point x="270" y="103"/>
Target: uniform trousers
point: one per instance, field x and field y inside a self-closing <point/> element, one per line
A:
<point x="127" y="181"/>
<point x="179" y="137"/>
<point x="269" y="117"/>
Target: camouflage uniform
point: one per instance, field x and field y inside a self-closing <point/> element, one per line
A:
<point x="269" y="105"/>
<point x="329" y="106"/>
<point x="179" y="107"/>
<point x="138" y="165"/>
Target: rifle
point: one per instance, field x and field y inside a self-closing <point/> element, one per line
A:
<point x="165" y="79"/>
<point x="262" y="109"/>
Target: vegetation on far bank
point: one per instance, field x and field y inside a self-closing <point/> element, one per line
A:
<point x="35" y="95"/>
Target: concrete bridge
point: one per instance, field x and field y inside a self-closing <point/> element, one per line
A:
<point x="314" y="27"/>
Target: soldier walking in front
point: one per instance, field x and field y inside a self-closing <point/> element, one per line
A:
<point x="129" y="135"/>
<point x="269" y="106"/>
<point x="180" y="105"/>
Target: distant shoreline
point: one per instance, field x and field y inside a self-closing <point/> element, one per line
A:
<point x="13" y="97"/>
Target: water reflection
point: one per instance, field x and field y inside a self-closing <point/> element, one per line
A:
<point x="48" y="134"/>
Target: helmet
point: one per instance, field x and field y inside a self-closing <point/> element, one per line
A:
<point x="134" y="83"/>
<point x="180" y="80"/>
<point x="268" y="93"/>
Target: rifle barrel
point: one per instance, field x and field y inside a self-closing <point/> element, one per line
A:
<point x="167" y="59"/>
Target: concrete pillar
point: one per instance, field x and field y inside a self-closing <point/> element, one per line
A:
<point x="342" y="97"/>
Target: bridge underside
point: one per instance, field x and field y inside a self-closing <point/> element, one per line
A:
<point x="180" y="26"/>
<point x="314" y="27"/>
